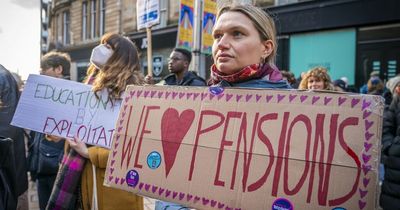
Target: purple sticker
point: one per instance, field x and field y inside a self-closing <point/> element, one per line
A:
<point x="132" y="178"/>
<point x="282" y="204"/>
<point x="216" y="90"/>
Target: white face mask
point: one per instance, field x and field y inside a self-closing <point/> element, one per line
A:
<point x="100" y="55"/>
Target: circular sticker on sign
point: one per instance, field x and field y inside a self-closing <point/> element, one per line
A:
<point x="132" y="178"/>
<point x="154" y="160"/>
<point x="282" y="204"/>
<point x="339" y="208"/>
<point x="216" y="90"/>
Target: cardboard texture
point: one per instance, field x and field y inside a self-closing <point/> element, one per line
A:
<point x="248" y="148"/>
<point x="66" y="108"/>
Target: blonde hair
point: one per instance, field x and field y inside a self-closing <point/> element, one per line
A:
<point x="321" y="74"/>
<point x="122" y="69"/>
<point x="262" y="22"/>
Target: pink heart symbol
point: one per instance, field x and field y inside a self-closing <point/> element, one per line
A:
<point x="341" y="100"/>
<point x="188" y="95"/>
<point x="220" y="96"/>
<point x="174" y="194"/>
<point x="280" y="97"/>
<point x="315" y="99"/>
<point x="365" y="104"/>
<point x="362" y="193"/>
<point x="147" y="187"/>
<point x="354" y="102"/>
<point x="126" y="99"/>
<point x="160" y="94"/>
<point x="140" y="186"/>
<point x="220" y="205"/>
<point x="248" y="97"/>
<point x="292" y="97"/>
<point x="121" y="121"/>
<point x="205" y="201"/>
<point x="118" y="136"/>
<point x="139" y="92"/>
<point x="114" y="153"/>
<point x="327" y="100"/>
<point x="238" y="97"/>
<point x="132" y="93"/>
<point x="268" y="98"/>
<point x="181" y="95"/>
<point x="116" y="180"/>
<point x="196" y="199"/>
<point x="181" y="196"/>
<point x="228" y="208"/>
<point x="195" y="95"/>
<point x="203" y="95"/>
<point x="122" y="180"/>
<point x="189" y="197"/>
<point x="146" y="93"/>
<point x="111" y="170"/>
<point x="366" y="114"/>
<point x="365" y="182"/>
<point x="366" y="158"/>
<point x="258" y="97"/>
<point x="110" y="178"/>
<point x="228" y="97"/>
<point x="367" y="146"/>
<point x="120" y="128"/>
<point x="303" y="98"/>
<point x="125" y="106"/>
<point x="366" y="168"/>
<point x="112" y="162"/>
<point x="368" y="135"/>
<point x="116" y="144"/>
<point x="213" y="203"/>
<point x="160" y="191"/>
<point x="368" y="124"/>
<point x="361" y="204"/>
<point x="123" y="114"/>
<point x="167" y="94"/>
<point x="153" y="92"/>
<point x="211" y="96"/>
<point x="167" y="193"/>
<point x="174" y="94"/>
<point x="173" y="129"/>
<point x="154" y="189"/>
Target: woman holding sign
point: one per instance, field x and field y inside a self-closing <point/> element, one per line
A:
<point x="114" y="65"/>
<point x="244" y="49"/>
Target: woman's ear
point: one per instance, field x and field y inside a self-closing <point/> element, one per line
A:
<point x="58" y="70"/>
<point x="268" y="48"/>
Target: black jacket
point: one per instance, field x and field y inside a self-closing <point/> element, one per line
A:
<point x="9" y="95"/>
<point x="189" y="79"/>
<point x="390" y="156"/>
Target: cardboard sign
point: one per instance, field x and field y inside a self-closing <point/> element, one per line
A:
<point x="66" y="108"/>
<point x="248" y="149"/>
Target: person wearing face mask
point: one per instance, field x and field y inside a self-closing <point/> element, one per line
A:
<point x="316" y="79"/>
<point x="244" y="49"/>
<point x="114" y="65"/>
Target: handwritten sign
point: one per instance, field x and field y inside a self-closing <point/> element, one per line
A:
<point x="247" y="148"/>
<point x="65" y="108"/>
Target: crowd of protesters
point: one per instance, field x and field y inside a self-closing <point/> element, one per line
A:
<point x="244" y="52"/>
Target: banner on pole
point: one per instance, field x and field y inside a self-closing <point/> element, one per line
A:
<point x="248" y="148"/>
<point x="186" y="24"/>
<point x="66" y="108"/>
<point x="209" y="15"/>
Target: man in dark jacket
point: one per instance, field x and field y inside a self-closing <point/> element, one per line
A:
<point x="390" y="156"/>
<point x="14" y="171"/>
<point x="178" y="65"/>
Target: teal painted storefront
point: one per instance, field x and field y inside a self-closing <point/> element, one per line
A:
<point x="335" y="50"/>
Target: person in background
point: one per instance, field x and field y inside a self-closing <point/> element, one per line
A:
<point x="45" y="152"/>
<point x="289" y="77"/>
<point x="244" y="49"/>
<point x="114" y="65"/>
<point x="390" y="154"/>
<point x="372" y="75"/>
<point x="339" y="85"/>
<point x="13" y="168"/>
<point x="316" y="79"/>
<point x="375" y="86"/>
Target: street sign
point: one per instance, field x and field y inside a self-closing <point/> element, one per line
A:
<point x="148" y="13"/>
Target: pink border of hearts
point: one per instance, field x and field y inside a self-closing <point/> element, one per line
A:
<point x="258" y="98"/>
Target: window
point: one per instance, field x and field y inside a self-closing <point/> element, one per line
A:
<point x="66" y="28"/>
<point x="93" y="18"/>
<point x="84" y="21"/>
<point x="59" y="26"/>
